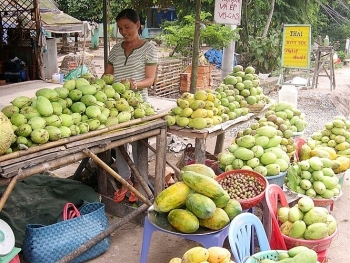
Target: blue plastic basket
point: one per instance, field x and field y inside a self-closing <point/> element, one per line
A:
<point x="277" y="179"/>
<point x="269" y="254"/>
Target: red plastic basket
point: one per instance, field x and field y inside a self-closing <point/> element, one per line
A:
<point x="251" y="202"/>
<point x="316" y="245"/>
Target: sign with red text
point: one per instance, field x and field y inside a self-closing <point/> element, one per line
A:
<point x="296" y="46"/>
<point x="228" y="12"/>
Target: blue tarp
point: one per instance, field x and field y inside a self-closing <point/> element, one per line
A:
<point x="214" y="56"/>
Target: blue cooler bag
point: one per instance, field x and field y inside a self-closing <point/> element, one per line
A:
<point x="45" y="244"/>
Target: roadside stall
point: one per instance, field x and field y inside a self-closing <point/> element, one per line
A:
<point x="96" y="144"/>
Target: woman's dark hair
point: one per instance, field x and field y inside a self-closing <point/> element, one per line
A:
<point x="128" y="13"/>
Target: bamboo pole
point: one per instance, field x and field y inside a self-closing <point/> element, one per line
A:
<point x="87" y="135"/>
<point x="136" y="172"/>
<point x="89" y="244"/>
<point x="176" y="170"/>
<point x="8" y="191"/>
<point x="116" y="176"/>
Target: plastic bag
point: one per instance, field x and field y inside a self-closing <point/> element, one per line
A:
<point x="77" y="73"/>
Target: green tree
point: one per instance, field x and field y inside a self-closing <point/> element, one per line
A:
<point x="179" y="35"/>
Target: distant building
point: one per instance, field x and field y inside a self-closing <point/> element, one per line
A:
<point x="155" y="17"/>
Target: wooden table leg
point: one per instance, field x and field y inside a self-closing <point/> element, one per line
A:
<point x="219" y="143"/>
<point x="199" y="151"/>
<point x="161" y="142"/>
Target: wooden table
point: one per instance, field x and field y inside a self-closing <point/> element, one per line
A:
<point x="53" y="155"/>
<point x="217" y="131"/>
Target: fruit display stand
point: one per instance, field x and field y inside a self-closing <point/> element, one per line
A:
<point x="217" y="131"/>
<point x="46" y="157"/>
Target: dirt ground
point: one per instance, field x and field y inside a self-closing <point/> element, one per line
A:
<point x="127" y="241"/>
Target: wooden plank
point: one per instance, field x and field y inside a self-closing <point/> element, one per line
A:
<point x="25" y="160"/>
<point x="14" y="165"/>
<point x="89" y="134"/>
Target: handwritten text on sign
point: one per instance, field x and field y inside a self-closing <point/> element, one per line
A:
<point x="228" y="12"/>
<point x="296" y="46"/>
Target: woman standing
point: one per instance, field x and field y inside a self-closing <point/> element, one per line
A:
<point x="135" y="60"/>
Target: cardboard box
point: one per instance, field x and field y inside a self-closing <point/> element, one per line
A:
<point x="169" y="173"/>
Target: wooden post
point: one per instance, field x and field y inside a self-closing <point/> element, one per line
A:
<point x="160" y="162"/>
<point x="199" y="151"/>
<point x="220" y="139"/>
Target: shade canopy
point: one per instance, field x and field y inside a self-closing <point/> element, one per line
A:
<point x="54" y="20"/>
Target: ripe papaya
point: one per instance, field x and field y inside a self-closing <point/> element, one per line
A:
<point x="218" y="221"/>
<point x="172" y="197"/>
<point x="183" y="220"/>
<point x="203" y="184"/>
<point x="200" y="168"/>
<point x="200" y="205"/>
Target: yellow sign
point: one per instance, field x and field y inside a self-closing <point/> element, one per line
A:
<point x="296" y="46"/>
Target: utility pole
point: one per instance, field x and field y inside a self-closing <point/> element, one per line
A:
<point x="228" y="57"/>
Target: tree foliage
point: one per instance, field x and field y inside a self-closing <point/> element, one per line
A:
<point x="179" y="35"/>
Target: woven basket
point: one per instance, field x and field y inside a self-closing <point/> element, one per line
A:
<point x="52" y="242"/>
<point x="189" y="156"/>
<point x="256" y="107"/>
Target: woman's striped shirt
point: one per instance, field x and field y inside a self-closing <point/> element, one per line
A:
<point x="134" y="65"/>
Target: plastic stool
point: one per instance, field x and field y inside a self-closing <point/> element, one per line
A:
<point x="207" y="240"/>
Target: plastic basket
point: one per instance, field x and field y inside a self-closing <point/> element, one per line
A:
<point x="256" y="107"/>
<point x="277" y="179"/>
<point x="316" y="245"/>
<point x="269" y="254"/>
<point x="251" y="202"/>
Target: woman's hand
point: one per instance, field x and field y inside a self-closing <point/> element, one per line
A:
<point x="132" y="82"/>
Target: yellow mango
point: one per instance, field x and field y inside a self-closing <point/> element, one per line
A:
<point x="218" y="254"/>
<point x="195" y="255"/>
<point x="175" y="260"/>
<point x="332" y="153"/>
<point x="344" y="164"/>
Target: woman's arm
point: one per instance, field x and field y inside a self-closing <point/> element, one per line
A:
<point x="109" y="69"/>
<point x="150" y="75"/>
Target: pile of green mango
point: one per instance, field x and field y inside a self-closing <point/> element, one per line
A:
<point x="204" y="109"/>
<point x="336" y="134"/>
<point x="245" y="84"/>
<point x="260" y="152"/>
<point x="299" y="254"/>
<point x="75" y="108"/>
<point x="306" y="221"/>
<point x="314" y="177"/>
